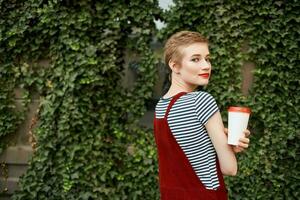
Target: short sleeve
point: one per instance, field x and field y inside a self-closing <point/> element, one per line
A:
<point x="206" y="106"/>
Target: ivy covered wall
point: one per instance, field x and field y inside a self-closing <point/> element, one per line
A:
<point x="266" y="34"/>
<point x="88" y="143"/>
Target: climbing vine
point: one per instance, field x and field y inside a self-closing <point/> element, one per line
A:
<point x="89" y="145"/>
<point x="265" y="33"/>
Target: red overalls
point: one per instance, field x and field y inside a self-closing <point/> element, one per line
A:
<point x="177" y="179"/>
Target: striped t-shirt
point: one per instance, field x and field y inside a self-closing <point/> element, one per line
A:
<point x="186" y="120"/>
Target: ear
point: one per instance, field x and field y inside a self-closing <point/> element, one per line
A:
<point x="174" y="66"/>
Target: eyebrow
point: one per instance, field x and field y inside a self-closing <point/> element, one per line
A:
<point x="200" y="55"/>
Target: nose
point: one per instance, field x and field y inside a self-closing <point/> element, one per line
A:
<point x="205" y="65"/>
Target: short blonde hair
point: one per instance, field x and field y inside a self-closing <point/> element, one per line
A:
<point x="179" y="40"/>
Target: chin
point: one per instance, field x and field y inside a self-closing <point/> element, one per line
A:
<point x="203" y="83"/>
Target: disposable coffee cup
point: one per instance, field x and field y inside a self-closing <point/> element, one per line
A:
<point x="238" y="118"/>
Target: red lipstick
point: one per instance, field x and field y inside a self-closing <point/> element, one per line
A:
<point x="204" y="75"/>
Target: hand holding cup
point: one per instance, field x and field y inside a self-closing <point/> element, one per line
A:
<point x="243" y="141"/>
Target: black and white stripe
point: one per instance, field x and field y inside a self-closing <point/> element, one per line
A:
<point x="186" y="119"/>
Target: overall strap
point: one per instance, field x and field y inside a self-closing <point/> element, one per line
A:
<point x="173" y="100"/>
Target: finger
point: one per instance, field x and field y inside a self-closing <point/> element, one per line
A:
<point x="243" y="145"/>
<point x="226" y="130"/>
<point x="238" y="149"/>
<point x="244" y="140"/>
<point x="247" y="132"/>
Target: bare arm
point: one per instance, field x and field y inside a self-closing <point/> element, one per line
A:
<point x="225" y="153"/>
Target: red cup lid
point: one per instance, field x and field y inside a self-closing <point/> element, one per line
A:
<point x="239" y="109"/>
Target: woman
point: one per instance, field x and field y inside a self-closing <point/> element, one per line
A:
<point x="192" y="144"/>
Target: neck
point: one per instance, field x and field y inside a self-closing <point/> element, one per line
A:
<point x="177" y="85"/>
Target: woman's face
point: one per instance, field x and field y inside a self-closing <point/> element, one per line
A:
<point x="195" y="68"/>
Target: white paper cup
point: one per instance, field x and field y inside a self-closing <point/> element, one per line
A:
<point x="238" y="118"/>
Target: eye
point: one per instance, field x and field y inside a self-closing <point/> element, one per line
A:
<point x="195" y="59"/>
<point x="207" y="59"/>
